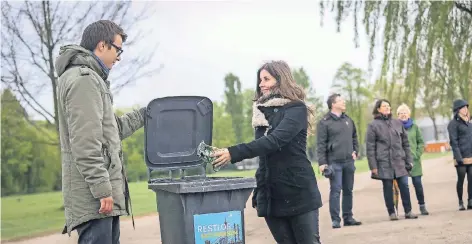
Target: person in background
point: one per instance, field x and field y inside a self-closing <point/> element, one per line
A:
<point x="94" y="184"/>
<point x="389" y="156"/>
<point x="287" y="193"/>
<point x="460" y="136"/>
<point x="337" y="146"/>
<point x="415" y="139"/>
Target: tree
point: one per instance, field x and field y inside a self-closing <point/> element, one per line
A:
<point x="352" y="84"/>
<point x="415" y="36"/>
<point x="32" y="33"/>
<point x="248" y="131"/>
<point x="28" y="163"/>
<point x="302" y="79"/>
<point x="234" y="104"/>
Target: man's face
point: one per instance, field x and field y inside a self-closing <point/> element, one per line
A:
<point x="110" y="56"/>
<point x="339" y="104"/>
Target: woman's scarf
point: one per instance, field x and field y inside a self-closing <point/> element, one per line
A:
<point x="271" y="100"/>
<point x="408" y="124"/>
<point x="383" y="117"/>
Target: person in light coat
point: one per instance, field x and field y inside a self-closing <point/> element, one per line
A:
<point x="415" y="139"/>
<point x="94" y="184"/>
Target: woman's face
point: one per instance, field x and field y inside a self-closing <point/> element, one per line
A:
<point x="384" y="108"/>
<point x="464" y="111"/>
<point x="403" y="115"/>
<point x="267" y="82"/>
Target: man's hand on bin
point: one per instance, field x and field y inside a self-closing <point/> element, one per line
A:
<point x="106" y="205"/>
<point x="223" y="157"/>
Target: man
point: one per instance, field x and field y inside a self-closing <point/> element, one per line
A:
<point x="337" y="149"/>
<point x="94" y="184"/>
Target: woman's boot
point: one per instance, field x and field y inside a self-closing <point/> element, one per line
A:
<point x="423" y="210"/>
<point x="461" y="206"/>
<point x="469" y="206"/>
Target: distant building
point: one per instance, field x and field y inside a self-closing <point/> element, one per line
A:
<point x="427" y="129"/>
<point x="251" y="163"/>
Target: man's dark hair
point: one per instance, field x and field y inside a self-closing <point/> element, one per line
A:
<point x="332" y="99"/>
<point x="377" y="105"/>
<point x="102" y="30"/>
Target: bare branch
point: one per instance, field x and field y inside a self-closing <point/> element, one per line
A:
<point x="33" y="31"/>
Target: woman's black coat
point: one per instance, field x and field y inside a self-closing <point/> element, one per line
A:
<point x="460" y="136"/>
<point x="286" y="182"/>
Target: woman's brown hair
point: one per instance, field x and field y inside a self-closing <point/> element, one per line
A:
<point x="286" y="86"/>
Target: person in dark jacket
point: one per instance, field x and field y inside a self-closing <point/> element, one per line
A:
<point x="287" y="193"/>
<point x="389" y="156"/>
<point x="337" y="147"/>
<point x="460" y="136"/>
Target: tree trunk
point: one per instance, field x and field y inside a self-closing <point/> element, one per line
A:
<point x="435" y="126"/>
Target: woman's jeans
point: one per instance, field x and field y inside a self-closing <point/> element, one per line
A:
<point x="404" y="193"/>
<point x="299" y="229"/>
<point x="418" y="189"/>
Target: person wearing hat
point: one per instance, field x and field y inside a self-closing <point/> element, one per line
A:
<point x="460" y="139"/>
<point x="337" y="148"/>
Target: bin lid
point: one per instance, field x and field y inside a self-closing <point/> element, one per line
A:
<point x="173" y="129"/>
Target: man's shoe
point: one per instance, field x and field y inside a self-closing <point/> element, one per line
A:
<point x="461" y="206"/>
<point x="351" y="222"/>
<point x="423" y="210"/>
<point x="469" y="205"/>
<point x="410" y="215"/>
<point x="336" y="225"/>
<point x="393" y="217"/>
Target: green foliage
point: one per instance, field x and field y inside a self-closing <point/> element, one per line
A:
<point x="234" y="104"/>
<point x="223" y="135"/>
<point x="302" y="78"/>
<point x="427" y="47"/>
<point x="29" y="163"/>
<point x="352" y="84"/>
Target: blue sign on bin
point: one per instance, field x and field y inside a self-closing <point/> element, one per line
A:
<point x="218" y="228"/>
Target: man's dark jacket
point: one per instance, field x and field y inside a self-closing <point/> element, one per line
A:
<point x="336" y="139"/>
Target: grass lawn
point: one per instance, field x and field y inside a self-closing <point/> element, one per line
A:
<point x="36" y="214"/>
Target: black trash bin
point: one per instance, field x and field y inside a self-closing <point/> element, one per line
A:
<point x="193" y="209"/>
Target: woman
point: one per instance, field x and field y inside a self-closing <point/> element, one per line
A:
<point x="389" y="156"/>
<point x="460" y="134"/>
<point x="415" y="139"/>
<point x="286" y="194"/>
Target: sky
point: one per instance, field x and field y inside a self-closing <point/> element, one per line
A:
<point x="199" y="42"/>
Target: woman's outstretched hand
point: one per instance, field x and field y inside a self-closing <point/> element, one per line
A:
<point x="222" y="157"/>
